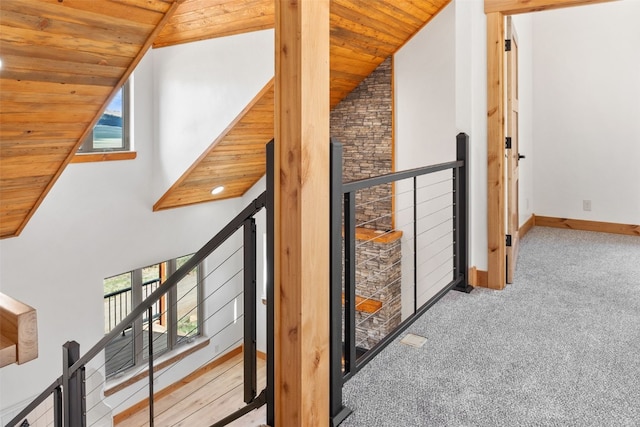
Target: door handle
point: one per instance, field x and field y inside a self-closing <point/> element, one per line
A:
<point x="521" y="156"/>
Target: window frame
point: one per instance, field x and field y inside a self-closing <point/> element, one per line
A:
<point x="139" y="357"/>
<point x="87" y="146"/>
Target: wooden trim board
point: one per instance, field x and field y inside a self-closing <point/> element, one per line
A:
<point x="527" y="226"/>
<point x="378" y="236"/>
<point x="104" y="157"/>
<point x="584" y="225"/>
<point x="478" y="278"/>
<point x="496" y="229"/>
<point x="366" y="305"/>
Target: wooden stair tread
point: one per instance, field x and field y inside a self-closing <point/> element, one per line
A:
<point x="8" y="351"/>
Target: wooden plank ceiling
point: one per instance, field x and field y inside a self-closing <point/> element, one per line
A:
<point x="62" y="60"/>
<point x="363" y="34"/>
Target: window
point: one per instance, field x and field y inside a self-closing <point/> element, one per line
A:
<point x="111" y="133"/>
<point x="176" y="318"/>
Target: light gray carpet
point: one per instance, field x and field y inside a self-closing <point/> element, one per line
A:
<point x="559" y="347"/>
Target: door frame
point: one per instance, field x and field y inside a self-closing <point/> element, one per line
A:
<point x="513" y="155"/>
<point x="496" y="11"/>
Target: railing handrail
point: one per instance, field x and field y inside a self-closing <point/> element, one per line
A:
<point x="122" y="291"/>
<point x="253" y="208"/>
<point x="35" y="402"/>
<point x="360" y="184"/>
<point x="344" y="360"/>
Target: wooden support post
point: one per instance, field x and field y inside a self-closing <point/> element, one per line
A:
<point x="495" y="152"/>
<point x="302" y="213"/>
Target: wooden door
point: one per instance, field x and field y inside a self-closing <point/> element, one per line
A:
<point x="512" y="216"/>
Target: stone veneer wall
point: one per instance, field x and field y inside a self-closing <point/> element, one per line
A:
<point x="363" y="123"/>
<point x="378" y="277"/>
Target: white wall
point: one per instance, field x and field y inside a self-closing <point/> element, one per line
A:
<point x="425" y="122"/>
<point x="586" y="112"/>
<point x="425" y="98"/>
<point x="200" y="88"/>
<point x="97" y="221"/>
<point x="471" y="107"/>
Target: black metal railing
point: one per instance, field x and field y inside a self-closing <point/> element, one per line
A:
<point x="119" y="303"/>
<point x="71" y="392"/>
<point x="424" y="254"/>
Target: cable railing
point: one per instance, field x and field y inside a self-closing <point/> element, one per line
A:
<point x="221" y="368"/>
<point x="398" y="244"/>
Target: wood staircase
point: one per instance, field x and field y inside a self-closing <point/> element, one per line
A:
<point x="18" y="332"/>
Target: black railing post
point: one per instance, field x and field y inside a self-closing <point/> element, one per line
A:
<point x="73" y="387"/>
<point x="249" y="348"/>
<point x="350" y="283"/>
<point x="415" y="244"/>
<point x="461" y="213"/>
<point x="338" y="411"/>
<point x="57" y="407"/>
<point x="270" y="203"/>
<point x="150" y="357"/>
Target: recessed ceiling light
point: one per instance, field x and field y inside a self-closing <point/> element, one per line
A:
<point x="217" y="190"/>
<point x="0" y="63"/>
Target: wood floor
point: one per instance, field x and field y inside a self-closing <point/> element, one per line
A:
<point x="204" y="400"/>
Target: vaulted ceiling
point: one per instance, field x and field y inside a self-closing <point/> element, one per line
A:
<point x="64" y="59"/>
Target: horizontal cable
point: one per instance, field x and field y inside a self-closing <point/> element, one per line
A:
<point x="434" y="227"/>
<point x="212" y="379"/>
<point x="435" y="283"/>
<point x="450" y="259"/>
<point x="138" y="333"/>
<point x="381" y="307"/>
<point x="200" y="283"/>
<point x="398" y="176"/>
<point x="382" y="325"/>
<point x="377" y="274"/>
<point x="449" y="246"/>
<point x="437" y="239"/>
<point x="431" y="199"/>
<point x="433" y="184"/>
<point x="435" y="212"/>
<point x="360" y="225"/>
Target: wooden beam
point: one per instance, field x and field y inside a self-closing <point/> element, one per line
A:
<point x="512" y="7"/>
<point x="495" y="152"/>
<point x="301" y="236"/>
<point x="19" y="325"/>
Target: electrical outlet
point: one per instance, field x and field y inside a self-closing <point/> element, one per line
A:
<point x="586" y="205"/>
